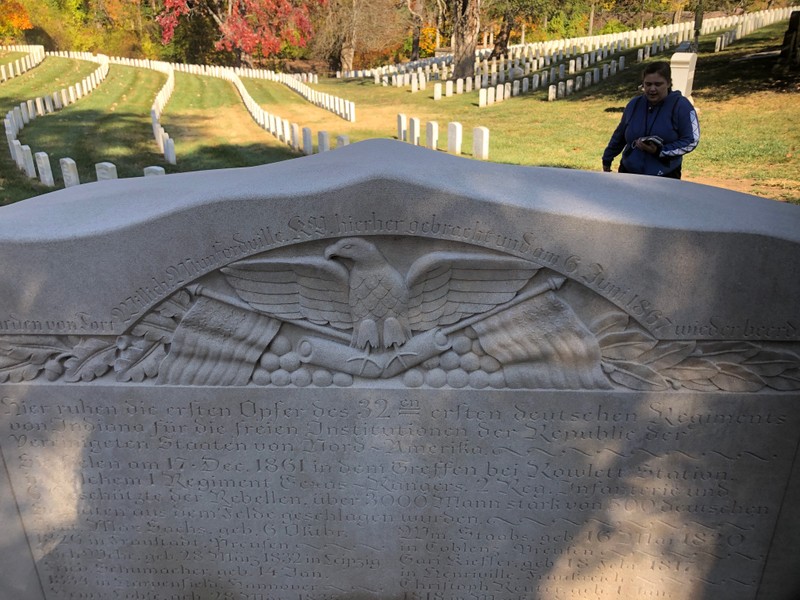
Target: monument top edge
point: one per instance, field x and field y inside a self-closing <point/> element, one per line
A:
<point x="629" y="199"/>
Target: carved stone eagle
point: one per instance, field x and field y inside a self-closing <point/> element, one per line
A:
<point x="372" y="298"/>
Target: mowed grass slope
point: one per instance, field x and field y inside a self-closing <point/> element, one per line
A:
<point x="212" y="128"/>
<point x="749" y="134"/>
<point x="107" y="125"/>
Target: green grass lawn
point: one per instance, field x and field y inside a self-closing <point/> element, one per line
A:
<point x="106" y="125"/>
<point x="51" y="75"/>
<point x="748" y="121"/>
<point x="7" y="56"/>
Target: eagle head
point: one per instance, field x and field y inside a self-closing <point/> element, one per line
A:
<point x="356" y="249"/>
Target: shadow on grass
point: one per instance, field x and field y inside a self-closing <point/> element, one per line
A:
<point x="124" y="139"/>
<point x="743" y="68"/>
<point x="222" y="156"/>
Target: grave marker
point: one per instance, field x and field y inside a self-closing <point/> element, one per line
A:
<point x="28" y="165"/>
<point x="105" y="171"/>
<point x="69" y="172"/>
<point x="580" y="408"/>
<point x="454" y="137"/>
<point x="432" y="135"/>
<point x="45" y="169"/>
<point x="480" y="143"/>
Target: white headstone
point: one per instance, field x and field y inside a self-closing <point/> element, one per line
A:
<point x="17" y="154"/>
<point x="414" y="133"/>
<point x="683" y="66"/>
<point x="308" y="141"/>
<point x="69" y="172"/>
<point x="153" y="171"/>
<point x="432" y="135"/>
<point x="45" y="170"/>
<point x="437" y="91"/>
<point x="323" y="141"/>
<point x="296" y="138"/>
<point x="402" y="127"/>
<point x="342" y="140"/>
<point x="105" y="170"/>
<point x="454" y="137"/>
<point x="169" y="152"/>
<point x="480" y="143"/>
<point x="28" y="164"/>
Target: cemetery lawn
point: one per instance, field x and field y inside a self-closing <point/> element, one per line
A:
<point x="749" y="139"/>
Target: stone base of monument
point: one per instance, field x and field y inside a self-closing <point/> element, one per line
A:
<point x="410" y="376"/>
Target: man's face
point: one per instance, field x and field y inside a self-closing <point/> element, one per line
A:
<point x="655" y="87"/>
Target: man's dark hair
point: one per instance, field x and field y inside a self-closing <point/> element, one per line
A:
<point x="660" y="67"/>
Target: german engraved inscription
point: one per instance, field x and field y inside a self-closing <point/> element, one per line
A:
<point x="387" y="493"/>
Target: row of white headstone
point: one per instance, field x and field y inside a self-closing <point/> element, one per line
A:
<point x="34" y="55"/>
<point x="280" y="128"/>
<point x="432" y="64"/>
<point x="345" y="109"/>
<point x="568" y="47"/>
<point x="16" y="119"/>
<point x="410" y="130"/>
<point x="338" y="106"/>
<point x="488" y="74"/>
<point x="164" y="141"/>
<point x="38" y="166"/>
<point x="743" y="25"/>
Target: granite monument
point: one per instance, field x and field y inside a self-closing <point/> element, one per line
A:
<point x="385" y="372"/>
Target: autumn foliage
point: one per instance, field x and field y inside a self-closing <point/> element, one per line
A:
<point x="251" y="26"/>
<point x="13" y="18"/>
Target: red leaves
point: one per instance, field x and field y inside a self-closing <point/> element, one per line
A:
<point x="252" y="26"/>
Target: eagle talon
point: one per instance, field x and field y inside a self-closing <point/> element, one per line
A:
<point x="398" y="356"/>
<point x="366" y="358"/>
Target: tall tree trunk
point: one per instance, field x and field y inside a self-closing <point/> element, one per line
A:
<point x="348" y="51"/>
<point x="415" y="7"/>
<point x="676" y="17"/>
<point x="591" y="19"/>
<point x="502" y="39"/>
<point x="466" y="23"/>
<point x="347" y="55"/>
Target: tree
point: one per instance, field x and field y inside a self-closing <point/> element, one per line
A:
<point x="249" y="27"/>
<point x="349" y="30"/>
<point x="465" y="15"/>
<point x="509" y="13"/>
<point x="14" y="20"/>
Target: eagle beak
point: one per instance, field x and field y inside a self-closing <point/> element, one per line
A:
<point x="330" y="252"/>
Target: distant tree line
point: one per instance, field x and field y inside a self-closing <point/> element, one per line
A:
<point x="328" y="34"/>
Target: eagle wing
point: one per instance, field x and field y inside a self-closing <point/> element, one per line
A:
<point x="305" y="287"/>
<point x="446" y="287"/>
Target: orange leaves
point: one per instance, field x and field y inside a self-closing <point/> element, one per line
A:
<point x="13" y="17"/>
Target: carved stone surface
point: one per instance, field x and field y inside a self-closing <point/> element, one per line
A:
<point x="408" y="376"/>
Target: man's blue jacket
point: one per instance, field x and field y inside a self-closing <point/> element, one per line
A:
<point x="673" y="119"/>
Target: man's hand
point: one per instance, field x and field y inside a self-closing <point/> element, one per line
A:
<point x="648" y="147"/>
